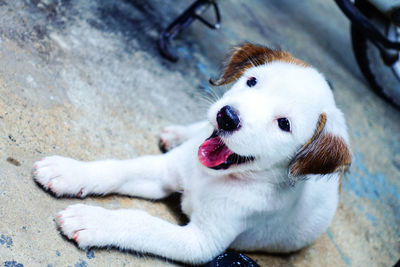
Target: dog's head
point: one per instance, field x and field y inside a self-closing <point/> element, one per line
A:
<point x="280" y="112"/>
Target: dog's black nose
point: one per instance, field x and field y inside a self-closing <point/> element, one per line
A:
<point x="227" y="119"/>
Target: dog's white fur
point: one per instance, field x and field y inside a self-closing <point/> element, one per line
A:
<point x="252" y="206"/>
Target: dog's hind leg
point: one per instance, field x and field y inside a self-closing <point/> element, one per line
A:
<point x="174" y="135"/>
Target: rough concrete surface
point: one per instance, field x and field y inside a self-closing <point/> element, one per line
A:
<point x="84" y="79"/>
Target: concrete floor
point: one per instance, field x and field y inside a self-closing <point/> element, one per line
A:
<point x="84" y="79"/>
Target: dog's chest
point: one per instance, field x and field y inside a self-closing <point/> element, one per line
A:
<point x="192" y="196"/>
<point x="202" y="193"/>
<point x="186" y="205"/>
<point x="198" y="191"/>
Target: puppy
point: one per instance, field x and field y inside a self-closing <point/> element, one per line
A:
<point x="262" y="173"/>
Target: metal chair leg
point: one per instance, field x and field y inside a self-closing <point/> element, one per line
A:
<point x="182" y="22"/>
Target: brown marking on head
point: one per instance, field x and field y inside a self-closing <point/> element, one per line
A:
<point x="250" y="55"/>
<point x="324" y="153"/>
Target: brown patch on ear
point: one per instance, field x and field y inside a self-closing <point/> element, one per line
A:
<point x="324" y="153"/>
<point x="250" y="55"/>
<point x="320" y="126"/>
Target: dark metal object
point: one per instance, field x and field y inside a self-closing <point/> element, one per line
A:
<point x="395" y="16"/>
<point x="365" y="25"/>
<point x="375" y="68"/>
<point x="232" y="259"/>
<point x="388" y="55"/>
<point x="388" y="49"/>
<point x="183" y="21"/>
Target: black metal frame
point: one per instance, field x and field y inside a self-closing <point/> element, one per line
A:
<point x="389" y="49"/>
<point x="365" y="25"/>
<point x="183" y="21"/>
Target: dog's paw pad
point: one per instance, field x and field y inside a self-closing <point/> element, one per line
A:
<point x="59" y="175"/>
<point x="44" y="171"/>
<point x="83" y="223"/>
<point x="171" y="136"/>
<point x="164" y="146"/>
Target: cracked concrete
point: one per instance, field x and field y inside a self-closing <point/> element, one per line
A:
<point x="84" y="79"/>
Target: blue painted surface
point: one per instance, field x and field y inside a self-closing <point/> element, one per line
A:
<point x="381" y="193"/>
<point x="396" y="146"/>
<point x="12" y="264"/>
<point x="371" y="218"/>
<point x="185" y="52"/>
<point x="203" y="69"/>
<point x="357" y="133"/>
<point x="374" y="186"/>
<point x="90" y="254"/>
<point x="396" y="149"/>
<point x="228" y="33"/>
<point x="81" y="263"/>
<point x="342" y="255"/>
<point x="6" y="240"/>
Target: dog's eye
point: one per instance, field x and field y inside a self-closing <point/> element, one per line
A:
<point x="251" y="81"/>
<point x="284" y="124"/>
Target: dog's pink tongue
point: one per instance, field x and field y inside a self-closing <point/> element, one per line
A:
<point x="213" y="152"/>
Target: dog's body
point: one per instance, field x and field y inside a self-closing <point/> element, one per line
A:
<point x="267" y="178"/>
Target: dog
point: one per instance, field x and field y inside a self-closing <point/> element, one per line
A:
<point x="261" y="174"/>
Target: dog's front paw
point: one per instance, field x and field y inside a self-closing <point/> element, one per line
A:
<point x="62" y="176"/>
<point x="87" y="225"/>
<point x="172" y="136"/>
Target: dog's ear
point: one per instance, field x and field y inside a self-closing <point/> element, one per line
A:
<point x="250" y="55"/>
<point x="324" y="153"/>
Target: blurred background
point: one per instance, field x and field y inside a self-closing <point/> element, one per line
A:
<point x="86" y="79"/>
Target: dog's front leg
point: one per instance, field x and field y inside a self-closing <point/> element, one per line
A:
<point x="197" y="242"/>
<point x="147" y="176"/>
<point x="174" y="135"/>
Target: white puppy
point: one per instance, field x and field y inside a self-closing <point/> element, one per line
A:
<point x="267" y="178"/>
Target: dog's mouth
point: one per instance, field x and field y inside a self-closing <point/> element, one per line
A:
<point x="214" y="154"/>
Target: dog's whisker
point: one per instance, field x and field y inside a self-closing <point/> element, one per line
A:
<point x="206" y="97"/>
<point x="204" y="101"/>
<point x="214" y="94"/>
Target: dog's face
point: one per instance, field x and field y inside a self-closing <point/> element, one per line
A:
<point x="280" y="112"/>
